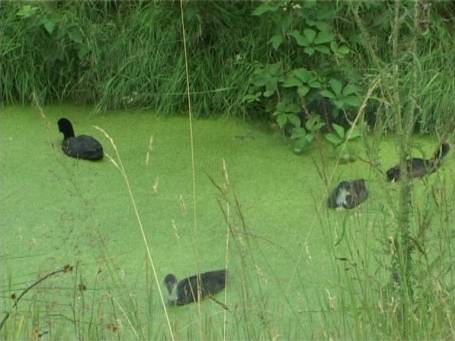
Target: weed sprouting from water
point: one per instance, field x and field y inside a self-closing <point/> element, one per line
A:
<point x="119" y="165"/>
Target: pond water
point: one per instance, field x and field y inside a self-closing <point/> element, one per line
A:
<point x="282" y="260"/>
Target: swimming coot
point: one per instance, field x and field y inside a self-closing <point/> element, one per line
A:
<point x="195" y="287"/>
<point x="81" y="147"/>
<point x="348" y="194"/>
<point x="418" y="167"/>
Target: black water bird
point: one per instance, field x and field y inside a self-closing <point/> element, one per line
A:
<point x="196" y="287"/>
<point x="418" y="167"/>
<point x="81" y="147"/>
<point x="348" y="194"/>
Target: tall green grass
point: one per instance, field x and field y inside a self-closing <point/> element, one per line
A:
<point x="121" y="55"/>
<point x="130" y="55"/>
<point x="361" y="301"/>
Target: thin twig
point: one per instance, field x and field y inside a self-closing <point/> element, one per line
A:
<point x="66" y="268"/>
<point x="119" y="165"/>
<point x="224" y="306"/>
<point x="195" y="233"/>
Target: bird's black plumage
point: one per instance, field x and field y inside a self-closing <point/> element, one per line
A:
<point x="81" y="147"/>
<point x="348" y="194"/>
<point x="195" y="287"/>
<point x="417" y="167"/>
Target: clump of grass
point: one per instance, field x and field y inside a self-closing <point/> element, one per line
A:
<point x="84" y="52"/>
<point x="386" y="294"/>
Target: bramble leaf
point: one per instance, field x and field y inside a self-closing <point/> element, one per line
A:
<point x="276" y="41"/>
<point x="281" y="120"/>
<point x="309" y="34"/>
<point x="324" y="37"/>
<point x="266" y="7"/>
<point x="339" y="130"/>
<point x="294" y="120"/>
<point x="336" y="86"/>
<point x="333" y="139"/>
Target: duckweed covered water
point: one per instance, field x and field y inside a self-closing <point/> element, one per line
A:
<point x="283" y="268"/>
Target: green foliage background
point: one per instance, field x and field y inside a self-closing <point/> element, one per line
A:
<point x="249" y="58"/>
<point x="310" y="66"/>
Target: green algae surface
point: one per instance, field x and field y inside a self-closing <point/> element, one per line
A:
<point x="255" y="206"/>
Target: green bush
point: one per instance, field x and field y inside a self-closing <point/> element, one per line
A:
<point x="307" y="70"/>
<point x="283" y="60"/>
<point x="127" y="54"/>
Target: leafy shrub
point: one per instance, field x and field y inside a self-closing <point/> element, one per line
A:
<point x="306" y="72"/>
<point x="338" y="139"/>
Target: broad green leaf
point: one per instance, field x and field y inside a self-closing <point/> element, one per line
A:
<point x="310" y="4"/>
<point x="294" y="120"/>
<point x="314" y="123"/>
<point x="302" y="74"/>
<point x="352" y="101"/>
<point x="309" y="51"/>
<point x="49" y="25"/>
<point x="281" y="120"/>
<point x="350" y="89"/>
<point x="326" y="10"/>
<point x="354" y="134"/>
<point x="291" y="81"/>
<point x="338" y="103"/>
<point x="258" y="82"/>
<point x="335" y="112"/>
<point x="84" y="51"/>
<point x="347" y="157"/>
<point x="274" y="68"/>
<point x="309" y="34"/>
<point x="281" y="107"/>
<point x="75" y="35"/>
<point x="300" y="40"/>
<point x="309" y="124"/>
<point x="287" y="107"/>
<point x="301" y="144"/>
<point x="322" y="26"/>
<point x="333" y="139"/>
<point x="327" y="93"/>
<point x="251" y="98"/>
<point x="268" y="6"/>
<point x="286" y="23"/>
<point x="323" y="49"/>
<point x="298" y="150"/>
<point x="26" y="11"/>
<point x="309" y="138"/>
<point x="318" y="126"/>
<point x="268" y="93"/>
<point x="336" y="86"/>
<point x="298" y="132"/>
<point x="276" y="41"/>
<point x="339" y="130"/>
<point x="271" y="86"/>
<point x="324" y="37"/>
<point x="270" y="107"/>
<point x="310" y="22"/>
<point x="343" y="50"/>
<point x="303" y="90"/>
<point x="314" y="83"/>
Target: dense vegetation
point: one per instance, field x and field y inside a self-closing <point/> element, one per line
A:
<point x="289" y="59"/>
<point x="338" y="70"/>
